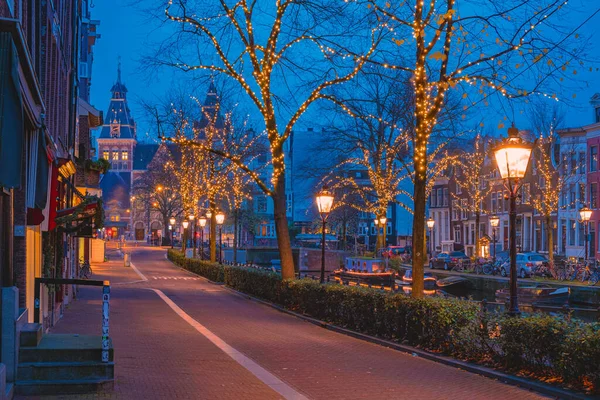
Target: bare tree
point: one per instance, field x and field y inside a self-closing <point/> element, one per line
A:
<point x="284" y="55"/>
<point x="498" y="47"/>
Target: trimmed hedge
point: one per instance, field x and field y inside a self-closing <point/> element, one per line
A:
<point x="210" y="270"/>
<point x="545" y="346"/>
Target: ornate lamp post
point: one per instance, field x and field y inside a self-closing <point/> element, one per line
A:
<point x="512" y="158"/>
<point x="585" y="214"/>
<point x="193" y="230"/>
<point x="324" y="203"/>
<point x="183" y="242"/>
<point x="376" y="222"/>
<point x="172" y="222"/>
<point x="202" y="221"/>
<point x="382" y="222"/>
<point x="220" y="217"/>
<point x="430" y="225"/>
<point x="494" y="221"/>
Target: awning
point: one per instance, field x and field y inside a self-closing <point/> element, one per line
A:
<point x="77" y="212"/>
<point x="95" y="117"/>
<point x="11" y="115"/>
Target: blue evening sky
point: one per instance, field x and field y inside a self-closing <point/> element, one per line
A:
<point x="126" y="31"/>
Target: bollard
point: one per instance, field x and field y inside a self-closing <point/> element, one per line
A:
<point x="127" y="259"/>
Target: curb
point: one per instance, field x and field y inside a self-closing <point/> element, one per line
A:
<point x="491" y="373"/>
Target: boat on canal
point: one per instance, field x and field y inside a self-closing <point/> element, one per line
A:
<point x="365" y="271"/>
<point x="540" y="294"/>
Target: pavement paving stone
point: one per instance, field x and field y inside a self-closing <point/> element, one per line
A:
<point x="158" y="355"/>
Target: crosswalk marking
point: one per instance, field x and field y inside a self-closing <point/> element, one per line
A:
<point x="183" y="278"/>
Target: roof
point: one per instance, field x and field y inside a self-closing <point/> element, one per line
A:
<point x="116" y="186"/>
<point x="143" y="154"/>
<point x="118" y="116"/>
<point x="210" y="110"/>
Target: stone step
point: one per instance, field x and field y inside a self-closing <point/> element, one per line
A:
<point x="65" y="348"/>
<point x="60" y="387"/>
<point x="49" y="371"/>
<point x="31" y="335"/>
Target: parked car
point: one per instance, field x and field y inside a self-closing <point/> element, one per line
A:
<point x="526" y="264"/>
<point x="502" y="255"/>
<point x="448" y="260"/>
<point x="395" y="251"/>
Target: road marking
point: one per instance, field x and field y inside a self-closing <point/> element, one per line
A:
<point x="183" y="278"/>
<point x="137" y="271"/>
<point x="265" y="376"/>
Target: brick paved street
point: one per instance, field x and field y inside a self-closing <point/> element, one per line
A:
<point x="158" y="355"/>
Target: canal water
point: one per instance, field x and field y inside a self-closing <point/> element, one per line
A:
<point x="584" y="301"/>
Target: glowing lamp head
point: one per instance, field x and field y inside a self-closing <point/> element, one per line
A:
<point x="220" y="217"/>
<point x="208" y="214"/>
<point x="185" y="224"/>
<point x="191" y="217"/>
<point x="585" y="214"/>
<point x="512" y="155"/>
<point x="382" y="220"/>
<point x="172" y="220"/>
<point x="494" y="221"/>
<point x="376" y="221"/>
<point x="430" y="223"/>
<point x="324" y="201"/>
<point x="202" y="221"/>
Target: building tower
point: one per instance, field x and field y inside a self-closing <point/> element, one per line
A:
<point x="116" y="144"/>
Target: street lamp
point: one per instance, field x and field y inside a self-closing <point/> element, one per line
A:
<point x="494" y="221"/>
<point x="512" y="158"/>
<point x="324" y="203"/>
<point x="202" y="221"/>
<point x="220" y="218"/>
<point x="172" y="222"/>
<point x="430" y="225"/>
<point x="191" y="218"/>
<point x="185" y="226"/>
<point x="382" y="222"/>
<point x="585" y="214"/>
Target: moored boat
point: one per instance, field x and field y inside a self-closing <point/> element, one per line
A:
<point x="542" y="294"/>
<point x="429" y="281"/>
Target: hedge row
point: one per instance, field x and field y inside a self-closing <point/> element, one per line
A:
<point x="541" y="345"/>
<point x="211" y="270"/>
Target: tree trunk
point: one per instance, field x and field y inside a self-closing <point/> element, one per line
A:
<point x="419" y="235"/>
<point x="477" y="235"/>
<point x="235" y="234"/>
<point x="281" y="224"/>
<point x="213" y="231"/>
<point x="550" y="238"/>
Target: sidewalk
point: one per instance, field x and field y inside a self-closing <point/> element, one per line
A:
<point x="157" y="355"/>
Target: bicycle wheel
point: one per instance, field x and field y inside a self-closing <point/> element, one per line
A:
<point x="594" y="278"/>
<point x="487" y="269"/>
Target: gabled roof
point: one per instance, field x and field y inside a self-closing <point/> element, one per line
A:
<point x="118" y="116"/>
<point x="145" y="153"/>
<point x="211" y="110"/>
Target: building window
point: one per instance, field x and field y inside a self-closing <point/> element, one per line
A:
<point x="593" y="158"/>
<point x="261" y="204"/>
<point x="493" y="206"/>
<point x="572" y="197"/>
<point x="500" y="196"/>
<point x="455" y="216"/>
<point x="582" y="162"/>
<point x="124" y="155"/>
<point x="288" y="203"/>
<point x="525" y="193"/>
<point x="373" y="231"/>
<point x="439" y="197"/>
<point x="572" y="232"/>
<point x="115" y="155"/>
<point x="445" y="197"/>
<point x="463" y="208"/>
<point x="106" y="155"/>
<point x="582" y="194"/>
<point x="388" y="229"/>
<point x="580" y="233"/>
<point x="458" y="189"/>
<point x="456" y="234"/>
<point x="573" y="158"/>
<point x="593" y="195"/>
<point x="432" y="199"/>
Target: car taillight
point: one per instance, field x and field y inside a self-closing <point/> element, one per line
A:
<point x="454" y="259"/>
<point x="529" y="264"/>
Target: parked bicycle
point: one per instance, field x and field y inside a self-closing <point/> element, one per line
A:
<point x="85" y="270"/>
<point x="492" y="268"/>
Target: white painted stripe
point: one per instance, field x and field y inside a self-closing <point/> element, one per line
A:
<point x="265" y="376"/>
<point x="137" y="271"/>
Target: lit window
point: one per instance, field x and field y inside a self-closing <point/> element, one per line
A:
<point x="115" y="155"/>
<point x="105" y="155"/>
<point x="124" y="155"/>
